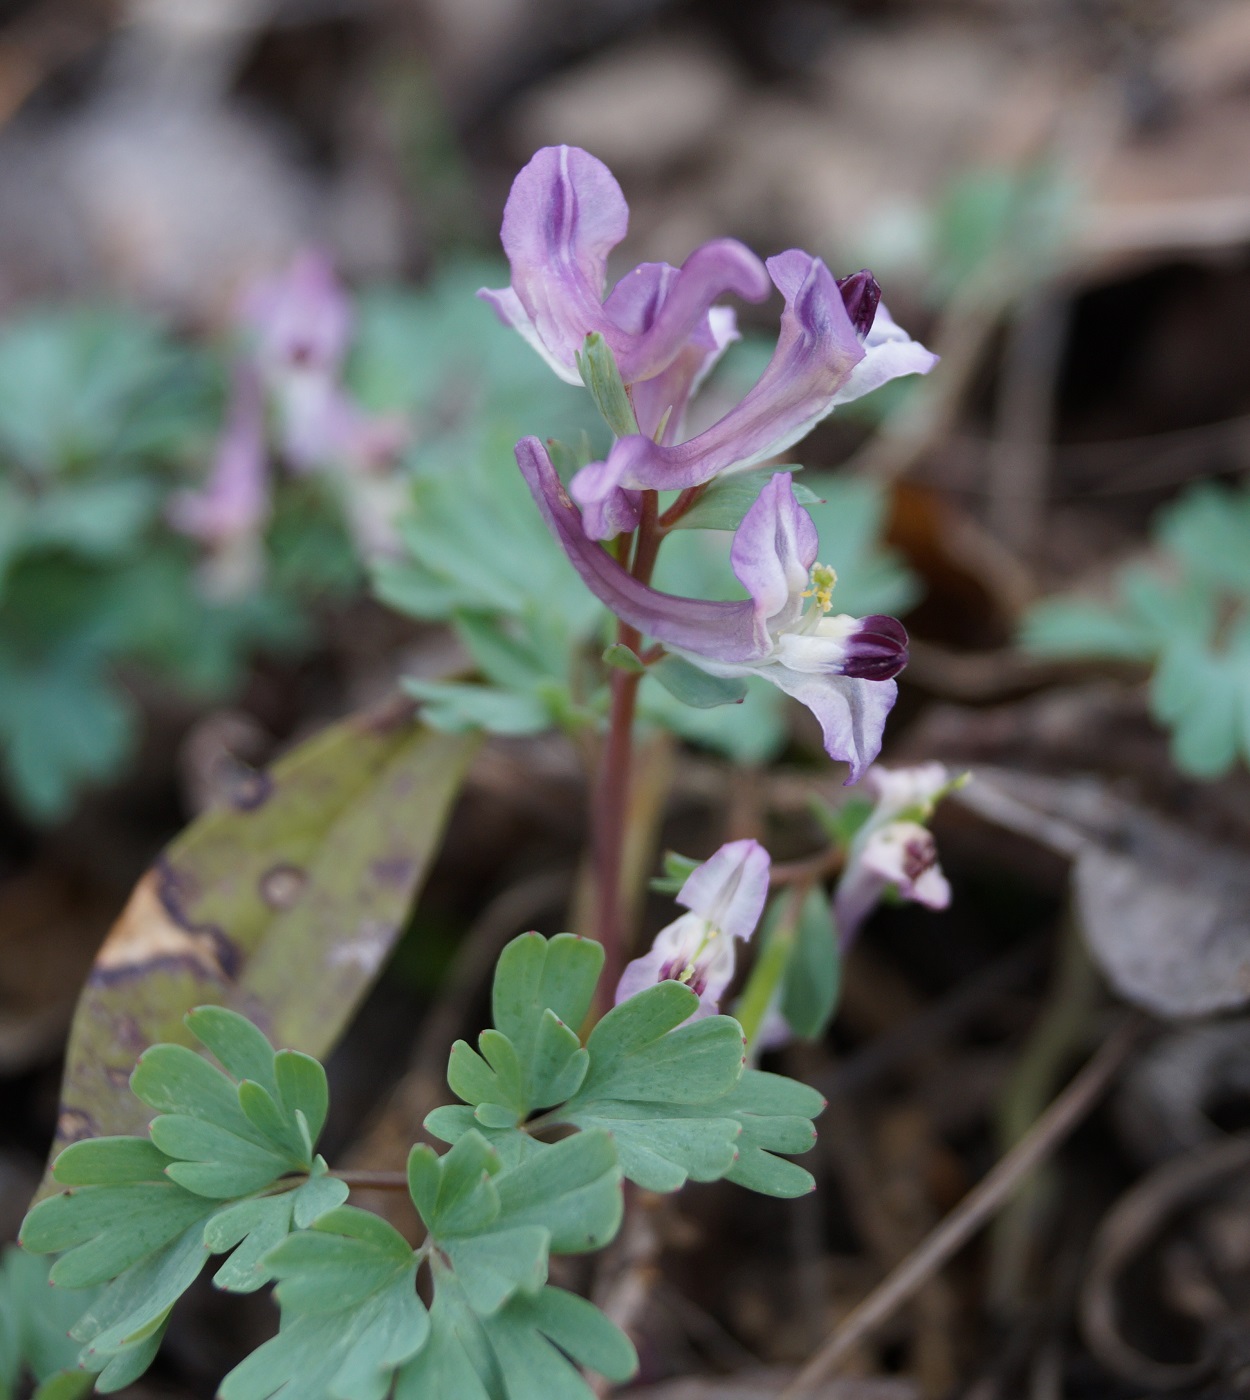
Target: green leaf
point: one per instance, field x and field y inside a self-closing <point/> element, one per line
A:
<point x="146" y="1213"/>
<point x="730" y="496"/>
<point x="461" y="709"/>
<point x="660" y="1147"/>
<point x="841" y="824"/>
<point x="451" y="1362"/>
<point x="230" y="1139"/>
<point x="34" y="1328"/>
<point x="642" y="1051"/>
<point x="572" y="1189"/>
<point x="286" y="902"/>
<point x="532" y="1338"/>
<point x="452" y="1121"/>
<point x="252" y="1227"/>
<point x="569" y="1191"/>
<point x="241" y="1047"/>
<point x="776" y="1115"/>
<point x="1207" y="529"/>
<point x="66" y="1385"/>
<point x="533" y="1059"/>
<point x="526" y="1350"/>
<point x="646" y="1068"/>
<point x="350" y="1314"/>
<point x="1071" y="627"/>
<point x="543" y="989"/>
<point x="98" y="519"/>
<point x="100" y="1231"/>
<point x="687" y="683"/>
<point x="63" y="723"/>
<point x="597" y="367"/>
<point x="810" y="990"/>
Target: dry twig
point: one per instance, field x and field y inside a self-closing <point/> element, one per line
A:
<point x="972" y="1213"/>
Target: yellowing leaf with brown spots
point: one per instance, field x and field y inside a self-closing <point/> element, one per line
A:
<point x="283" y="905"/>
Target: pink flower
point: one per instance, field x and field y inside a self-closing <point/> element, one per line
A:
<point x="840" y="667"/>
<point x="894" y="849"/>
<point x="725" y="896"/>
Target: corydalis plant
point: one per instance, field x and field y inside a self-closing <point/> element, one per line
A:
<point x="893" y="852"/>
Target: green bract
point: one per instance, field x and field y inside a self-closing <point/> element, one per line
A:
<point x="229" y="1166"/>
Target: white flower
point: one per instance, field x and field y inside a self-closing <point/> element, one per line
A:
<point x="725" y="896"/>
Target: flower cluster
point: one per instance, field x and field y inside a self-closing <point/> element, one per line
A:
<point x="297" y="329"/>
<point x="665" y="329"/>
<point x="892" y="854"/>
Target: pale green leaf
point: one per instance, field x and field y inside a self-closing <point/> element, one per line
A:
<point x="684" y="681"/>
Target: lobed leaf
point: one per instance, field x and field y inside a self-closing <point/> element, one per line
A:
<point x="775" y="1114"/>
<point x="350" y="1314"/>
<point x="144" y="1214"/>
<point x="642" y="1051"/>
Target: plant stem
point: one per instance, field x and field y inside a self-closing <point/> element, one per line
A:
<point x="610" y="803"/>
<point x="611" y="800"/>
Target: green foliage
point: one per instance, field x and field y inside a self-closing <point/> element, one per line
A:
<point x="34" y="1327"/>
<point x="230" y="1167"/>
<point x="809" y="992"/>
<point x="668" y="1090"/>
<point x="99" y="413"/>
<point x="1187" y="617"/>
<point x="701" y="691"/>
<point x="728" y="498"/>
<point x="351" y="1317"/>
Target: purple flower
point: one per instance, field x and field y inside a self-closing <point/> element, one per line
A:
<point x="301" y="324"/>
<point x="725" y="896"/>
<point x="894" y="848"/>
<point x="840" y="667"/>
<point x="229" y="513"/>
<point x="836" y="344"/>
<point x="563" y="217"/>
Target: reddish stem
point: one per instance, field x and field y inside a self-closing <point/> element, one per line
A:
<point x="680" y="506"/>
<point x="610" y="809"/>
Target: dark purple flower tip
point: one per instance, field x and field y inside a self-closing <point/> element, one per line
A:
<point x="878" y="651"/>
<point x="861" y="295"/>
<point x="919" y="854"/>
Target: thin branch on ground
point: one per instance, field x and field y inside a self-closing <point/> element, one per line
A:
<point x="977" y="1207"/>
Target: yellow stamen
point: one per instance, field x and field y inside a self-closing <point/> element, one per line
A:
<point x="823" y="580"/>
